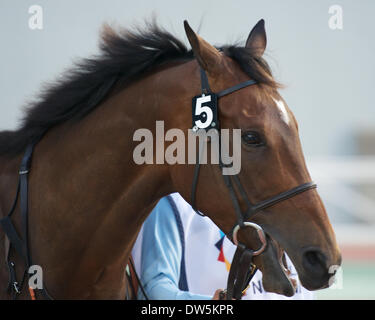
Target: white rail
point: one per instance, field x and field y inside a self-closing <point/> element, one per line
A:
<point x="347" y="184"/>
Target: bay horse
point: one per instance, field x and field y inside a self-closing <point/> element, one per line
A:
<point x="87" y="197"/>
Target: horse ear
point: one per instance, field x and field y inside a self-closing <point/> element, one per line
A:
<point x="257" y="40"/>
<point x="208" y="56"/>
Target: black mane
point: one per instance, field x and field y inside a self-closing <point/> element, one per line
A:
<point x="124" y="56"/>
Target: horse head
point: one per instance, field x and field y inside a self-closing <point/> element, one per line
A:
<point x="272" y="162"/>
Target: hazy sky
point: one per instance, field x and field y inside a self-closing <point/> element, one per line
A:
<point x="329" y="73"/>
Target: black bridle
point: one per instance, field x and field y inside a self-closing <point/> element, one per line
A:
<point x="242" y="268"/>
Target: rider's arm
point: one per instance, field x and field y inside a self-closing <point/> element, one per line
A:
<point x="161" y="257"/>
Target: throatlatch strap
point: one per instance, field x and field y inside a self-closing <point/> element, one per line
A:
<point x="195" y="180"/>
<point x="194" y="185"/>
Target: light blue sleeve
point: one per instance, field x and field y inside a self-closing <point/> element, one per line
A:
<point x="161" y="256"/>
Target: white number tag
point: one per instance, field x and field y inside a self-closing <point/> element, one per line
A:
<point x="205" y="112"/>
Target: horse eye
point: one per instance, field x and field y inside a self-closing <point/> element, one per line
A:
<point x="252" y="138"/>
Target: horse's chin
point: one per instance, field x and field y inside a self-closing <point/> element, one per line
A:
<point x="276" y="276"/>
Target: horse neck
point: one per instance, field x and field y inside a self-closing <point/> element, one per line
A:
<point x="95" y="198"/>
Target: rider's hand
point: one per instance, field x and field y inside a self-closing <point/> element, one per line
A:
<point x="217" y="294"/>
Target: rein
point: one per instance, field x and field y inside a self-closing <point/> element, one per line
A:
<point x="242" y="269"/>
<point x="12" y="239"/>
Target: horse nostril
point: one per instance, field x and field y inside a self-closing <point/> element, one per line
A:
<point x="315" y="262"/>
<point x="313" y="257"/>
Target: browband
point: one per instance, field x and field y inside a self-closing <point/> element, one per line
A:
<point x="206" y="87"/>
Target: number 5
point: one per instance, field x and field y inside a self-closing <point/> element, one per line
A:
<point x="199" y="109"/>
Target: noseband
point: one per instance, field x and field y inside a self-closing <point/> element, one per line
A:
<point x="242" y="268"/>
